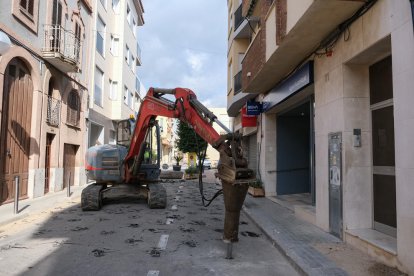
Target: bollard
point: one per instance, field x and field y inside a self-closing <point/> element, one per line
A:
<point x="229" y="251"/>
<point x="68" y="189"/>
<point x="16" y="194"/>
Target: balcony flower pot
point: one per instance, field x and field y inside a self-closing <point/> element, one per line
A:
<point x="256" y="192"/>
<point x="177" y="166"/>
<point x="256" y="188"/>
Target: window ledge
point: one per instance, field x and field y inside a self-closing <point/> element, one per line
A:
<point x="73" y="126"/>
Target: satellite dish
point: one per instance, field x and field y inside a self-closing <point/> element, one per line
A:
<point x="5" y="43"/>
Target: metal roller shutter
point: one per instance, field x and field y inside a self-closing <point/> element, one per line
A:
<point x="252" y="152"/>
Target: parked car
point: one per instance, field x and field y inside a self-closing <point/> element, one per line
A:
<point x="207" y="164"/>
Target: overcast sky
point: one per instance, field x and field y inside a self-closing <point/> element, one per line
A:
<point x="184" y="44"/>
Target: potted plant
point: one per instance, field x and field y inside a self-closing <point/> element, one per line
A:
<point x="177" y="158"/>
<point x="256" y="188"/>
<point x="191" y="172"/>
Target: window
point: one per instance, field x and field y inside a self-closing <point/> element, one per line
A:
<point x="131" y="100"/>
<point x="100" y="36"/>
<point x="113" y="90"/>
<point x="27" y="6"/>
<point x="114" y="45"/>
<point x="99" y="77"/>
<point x="73" y="114"/>
<point x="128" y="55"/>
<point x="129" y="15"/>
<point x="126" y="93"/>
<point x="116" y="6"/>
<point x="27" y="12"/>
<point x="112" y="138"/>
<point x="134" y="26"/>
<point x="103" y="2"/>
<point x="77" y="47"/>
<point x="133" y="64"/>
<point x="57" y="13"/>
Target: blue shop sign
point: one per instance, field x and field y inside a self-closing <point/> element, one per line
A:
<point x="296" y="82"/>
<point x="253" y="108"/>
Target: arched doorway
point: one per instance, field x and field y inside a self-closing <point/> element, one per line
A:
<point x="15" y="129"/>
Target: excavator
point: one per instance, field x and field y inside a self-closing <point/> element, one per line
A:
<point x="131" y="166"/>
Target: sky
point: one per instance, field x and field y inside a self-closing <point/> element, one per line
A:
<point x="184" y="44"/>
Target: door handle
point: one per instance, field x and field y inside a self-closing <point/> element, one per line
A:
<point x="8" y="153"/>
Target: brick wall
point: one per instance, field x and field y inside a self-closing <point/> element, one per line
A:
<point x="256" y="55"/>
<point x="281" y="20"/>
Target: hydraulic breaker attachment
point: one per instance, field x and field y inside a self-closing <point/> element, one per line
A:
<point x="235" y="183"/>
<point x="234" y="195"/>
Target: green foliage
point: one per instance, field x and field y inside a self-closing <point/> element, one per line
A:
<point x="188" y="140"/>
<point x="178" y="158"/>
<point x="256" y="183"/>
<point x="191" y="170"/>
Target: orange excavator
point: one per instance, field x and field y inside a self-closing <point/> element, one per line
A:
<point x="132" y="167"/>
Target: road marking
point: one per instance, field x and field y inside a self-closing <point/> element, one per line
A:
<point x="169" y="221"/>
<point x="174" y="208"/>
<point x="181" y="187"/>
<point x="177" y="198"/>
<point x="162" y="244"/>
<point x="153" y="273"/>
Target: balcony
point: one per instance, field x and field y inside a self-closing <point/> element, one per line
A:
<point x="61" y="48"/>
<point x="53" y="111"/>
<point x="137" y="85"/>
<point x="254" y="60"/>
<point x="238" y="17"/>
<point x="305" y="30"/>
<point x="242" y="28"/>
<point x="139" y="55"/>
<point x="238" y="83"/>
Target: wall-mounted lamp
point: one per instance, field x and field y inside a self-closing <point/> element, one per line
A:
<point x="249" y="74"/>
<point x="5" y="43"/>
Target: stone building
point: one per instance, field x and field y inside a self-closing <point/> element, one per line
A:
<point x="334" y="81"/>
<point x="115" y="91"/>
<point x="44" y="80"/>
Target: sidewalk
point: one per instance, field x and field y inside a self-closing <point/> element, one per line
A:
<point x="293" y="237"/>
<point x="31" y="206"/>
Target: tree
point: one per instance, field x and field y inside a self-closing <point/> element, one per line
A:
<point x="189" y="141"/>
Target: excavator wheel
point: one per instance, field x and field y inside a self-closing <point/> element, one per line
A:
<point x="157" y="196"/>
<point x="91" y="198"/>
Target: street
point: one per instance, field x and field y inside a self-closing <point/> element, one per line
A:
<point x="128" y="238"/>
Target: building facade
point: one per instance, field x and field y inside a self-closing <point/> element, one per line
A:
<point x="44" y="77"/>
<point x="334" y="82"/>
<point x="223" y="117"/>
<point x="115" y="92"/>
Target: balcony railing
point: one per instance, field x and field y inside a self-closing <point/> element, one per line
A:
<point x="53" y="111"/>
<point x="61" y="48"/>
<point x="238" y="17"/>
<point x="237" y="83"/>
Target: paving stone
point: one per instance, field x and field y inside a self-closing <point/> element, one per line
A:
<point x="294" y="237"/>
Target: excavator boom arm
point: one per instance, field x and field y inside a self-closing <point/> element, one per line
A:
<point x="186" y="108"/>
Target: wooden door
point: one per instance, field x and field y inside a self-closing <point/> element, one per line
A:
<point x="49" y="139"/>
<point x="15" y="130"/>
<point x="69" y="158"/>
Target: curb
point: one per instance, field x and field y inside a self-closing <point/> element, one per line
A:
<point x="295" y="265"/>
<point x="14" y="219"/>
<point x="303" y="257"/>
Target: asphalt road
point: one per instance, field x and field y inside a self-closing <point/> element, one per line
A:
<point x="128" y="238"/>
